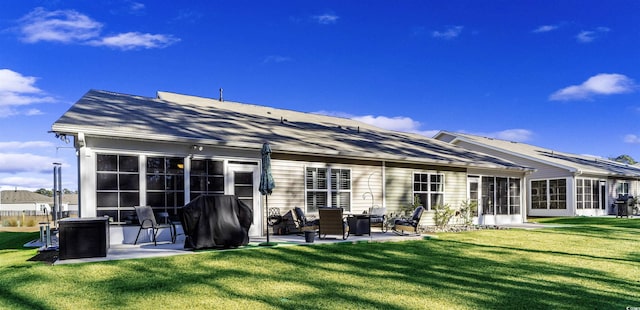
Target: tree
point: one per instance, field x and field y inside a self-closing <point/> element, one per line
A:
<point x="44" y="191"/>
<point x="626" y="159"/>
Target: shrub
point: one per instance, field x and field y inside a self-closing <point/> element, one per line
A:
<point x="467" y="211"/>
<point x="443" y="214"/>
<point x="12" y="223"/>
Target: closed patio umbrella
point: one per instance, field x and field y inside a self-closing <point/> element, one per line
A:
<point x="267" y="184"/>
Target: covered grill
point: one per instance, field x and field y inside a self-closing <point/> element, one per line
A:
<point x="624" y="205"/>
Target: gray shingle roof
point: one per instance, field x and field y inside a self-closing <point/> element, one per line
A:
<point x="571" y="162"/>
<point x="190" y="119"/>
<point x="25" y="196"/>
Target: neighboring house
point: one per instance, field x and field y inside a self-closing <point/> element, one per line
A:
<point x="23" y="200"/>
<point x="563" y="184"/>
<point x="165" y="151"/>
<point x="34" y="203"/>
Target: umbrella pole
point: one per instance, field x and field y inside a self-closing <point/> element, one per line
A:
<point x="266" y="209"/>
<point x="266" y="215"/>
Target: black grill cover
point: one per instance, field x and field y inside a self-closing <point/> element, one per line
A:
<point x="216" y="221"/>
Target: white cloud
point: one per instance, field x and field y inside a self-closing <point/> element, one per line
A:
<point x="32" y="112"/>
<point x="25" y="162"/>
<point x="276" y="59"/>
<point x="516" y="135"/>
<point x="600" y="84"/>
<point x="25" y="183"/>
<point x="136" y="6"/>
<point x="72" y="27"/>
<point x="632" y="139"/>
<point x="133" y="40"/>
<point x="14" y="82"/>
<point x="449" y="33"/>
<point x="24" y="145"/>
<point x="18" y="90"/>
<point x="326" y="19"/>
<point x="59" y="26"/>
<point x="545" y="28"/>
<point x="587" y="36"/>
<point x="397" y="123"/>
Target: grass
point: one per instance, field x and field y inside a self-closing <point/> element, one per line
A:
<point x="583" y="263"/>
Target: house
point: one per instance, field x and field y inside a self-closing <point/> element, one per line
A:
<point x="165" y="151"/>
<point x="562" y="184"/>
<point x="16" y="201"/>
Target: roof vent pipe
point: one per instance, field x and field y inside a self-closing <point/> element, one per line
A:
<point x="221" y="99"/>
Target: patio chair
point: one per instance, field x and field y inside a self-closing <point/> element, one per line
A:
<point x="378" y="218"/>
<point x="332" y="223"/>
<point x="410" y="224"/>
<point x="148" y="221"/>
<point x="302" y="223"/>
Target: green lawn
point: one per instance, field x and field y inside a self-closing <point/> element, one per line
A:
<point x="584" y="263"/>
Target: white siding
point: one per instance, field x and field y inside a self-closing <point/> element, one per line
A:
<point x="543" y="172"/>
<point x="399" y="189"/>
<point x="289" y="176"/>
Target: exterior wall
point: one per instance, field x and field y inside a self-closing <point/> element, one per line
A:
<point x="399" y="187"/>
<point x="499" y="219"/>
<point x="94" y="146"/>
<point x="37" y="207"/>
<point x="612" y="184"/>
<point x="543" y="172"/>
<point x="289" y="174"/>
<point x="373" y="183"/>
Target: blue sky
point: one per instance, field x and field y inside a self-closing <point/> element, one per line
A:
<point x="563" y="75"/>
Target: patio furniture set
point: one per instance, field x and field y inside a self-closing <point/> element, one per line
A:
<point x="334" y="221"/>
<point x="330" y="222"/>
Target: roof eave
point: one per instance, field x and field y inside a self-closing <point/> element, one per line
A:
<point x="96" y="132"/>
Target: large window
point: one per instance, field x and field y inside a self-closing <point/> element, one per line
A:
<point x="327" y="187"/>
<point x="341" y="188"/>
<point x="622" y="188"/>
<point x="474" y="193"/>
<point x="165" y="183"/>
<point x="207" y="177"/>
<point x="429" y="188"/>
<point x="500" y="196"/>
<point x="117" y="186"/>
<point x="588" y="194"/>
<point x="549" y="194"/>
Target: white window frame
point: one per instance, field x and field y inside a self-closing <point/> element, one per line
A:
<point x="429" y="204"/>
<point x="329" y="190"/>
<point x="622" y="187"/>
<point x="547" y="195"/>
<point x="592" y="199"/>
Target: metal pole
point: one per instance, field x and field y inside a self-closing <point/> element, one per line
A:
<point x="55" y="186"/>
<point x="60" y="191"/>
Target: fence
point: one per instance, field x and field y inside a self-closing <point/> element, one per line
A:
<point x="28" y="217"/>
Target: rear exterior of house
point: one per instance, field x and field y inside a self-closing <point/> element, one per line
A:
<point x="562" y="184"/>
<point x="165" y="151"/>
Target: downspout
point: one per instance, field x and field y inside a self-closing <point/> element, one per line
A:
<point x="80" y="153"/>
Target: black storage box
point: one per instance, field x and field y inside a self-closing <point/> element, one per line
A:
<point x="83" y="237"/>
<point x="359" y="225"/>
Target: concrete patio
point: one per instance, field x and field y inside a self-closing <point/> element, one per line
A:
<point x="146" y="249"/>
